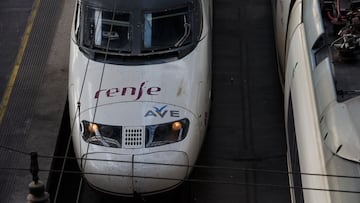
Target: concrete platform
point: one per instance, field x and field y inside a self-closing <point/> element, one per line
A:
<point x="33" y="115"/>
<point x="13" y="19"/>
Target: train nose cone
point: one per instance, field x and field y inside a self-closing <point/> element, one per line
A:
<point x="159" y="171"/>
<point x="141" y="173"/>
<point x="110" y="173"/>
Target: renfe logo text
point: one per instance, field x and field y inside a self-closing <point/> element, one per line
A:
<point x="124" y="91"/>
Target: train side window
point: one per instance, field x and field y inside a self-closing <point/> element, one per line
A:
<point x="320" y="49"/>
<point x="294" y="156"/>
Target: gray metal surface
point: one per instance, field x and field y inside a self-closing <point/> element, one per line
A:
<point x="246" y="128"/>
<point x="13" y="19"/>
<point x="25" y="126"/>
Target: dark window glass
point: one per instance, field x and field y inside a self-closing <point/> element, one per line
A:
<point x="294" y="155"/>
<point x="167" y="29"/>
<point x="106" y="30"/>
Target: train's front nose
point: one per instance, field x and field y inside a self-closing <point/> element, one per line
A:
<point x="135" y="147"/>
<point x="130" y="174"/>
<point x="159" y="171"/>
<point x="108" y="172"/>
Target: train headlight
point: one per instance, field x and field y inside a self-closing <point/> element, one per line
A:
<point x="100" y="134"/>
<point x="166" y="133"/>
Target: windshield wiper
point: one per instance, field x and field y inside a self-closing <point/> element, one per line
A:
<point x="186" y="33"/>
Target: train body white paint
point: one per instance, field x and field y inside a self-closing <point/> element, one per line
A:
<point x="318" y="49"/>
<point x="139" y="91"/>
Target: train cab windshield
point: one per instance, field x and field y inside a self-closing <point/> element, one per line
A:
<point x="106" y="30"/>
<point x="121" y="34"/>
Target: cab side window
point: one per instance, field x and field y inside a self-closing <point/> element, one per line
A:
<point x="76" y="21"/>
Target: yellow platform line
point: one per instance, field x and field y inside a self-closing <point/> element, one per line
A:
<point x="18" y="61"/>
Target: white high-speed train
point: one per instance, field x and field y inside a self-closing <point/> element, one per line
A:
<point x="139" y="91"/>
<point x="318" y="48"/>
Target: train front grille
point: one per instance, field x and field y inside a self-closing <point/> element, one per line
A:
<point x="133" y="137"/>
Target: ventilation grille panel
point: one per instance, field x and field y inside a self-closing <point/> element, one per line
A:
<point x="133" y="137"/>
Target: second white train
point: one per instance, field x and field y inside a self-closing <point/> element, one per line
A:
<point x="318" y="46"/>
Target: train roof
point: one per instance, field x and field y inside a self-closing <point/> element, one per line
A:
<point x="135" y="5"/>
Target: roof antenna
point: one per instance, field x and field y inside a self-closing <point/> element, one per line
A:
<point x="37" y="192"/>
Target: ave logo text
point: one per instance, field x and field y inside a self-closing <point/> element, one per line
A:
<point x="162" y="112"/>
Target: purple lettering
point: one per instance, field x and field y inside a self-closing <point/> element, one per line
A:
<point x="97" y="93"/>
<point x="127" y="91"/>
<point x="153" y="90"/>
<point x="140" y="91"/>
<point x="133" y="90"/>
<point x="110" y="92"/>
